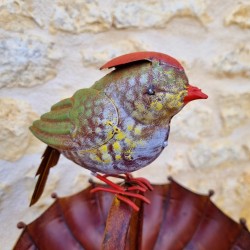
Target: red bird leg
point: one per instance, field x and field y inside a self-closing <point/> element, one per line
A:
<point x="125" y="193"/>
<point x="108" y="182"/>
<point x="143" y="182"/>
<point x="128" y="201"/>
<point x="138" y="184"/>
<point x="140" y="181"/>
<point x="136" y="188"/>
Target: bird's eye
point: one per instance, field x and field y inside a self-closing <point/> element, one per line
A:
<point x="150" y="91"/>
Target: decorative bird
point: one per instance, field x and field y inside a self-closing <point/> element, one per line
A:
<point x="118" y="125"/>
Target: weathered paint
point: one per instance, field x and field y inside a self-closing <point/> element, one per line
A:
<point x="117" y="126"/>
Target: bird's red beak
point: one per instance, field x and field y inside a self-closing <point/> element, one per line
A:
<point x="193" y="94"/>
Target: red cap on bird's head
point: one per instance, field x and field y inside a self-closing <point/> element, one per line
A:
<point x="193" y="94"/>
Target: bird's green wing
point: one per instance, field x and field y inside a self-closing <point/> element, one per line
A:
<point x="84" y="121"/>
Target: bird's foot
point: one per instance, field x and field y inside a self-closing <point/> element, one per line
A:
<point x="132" y="188"/>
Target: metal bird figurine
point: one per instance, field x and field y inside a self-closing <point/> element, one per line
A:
<point x="121" y="123"/>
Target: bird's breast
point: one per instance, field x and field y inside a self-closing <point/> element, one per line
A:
<point x="132" y="147"/>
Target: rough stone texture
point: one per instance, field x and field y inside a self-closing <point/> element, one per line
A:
<point x="242" y="180"/>
<point x="51" y="48"/>
<point x="96" y="16"/>
<point x="219" y="152"/>
<point x="235" y="110"/>
<point x="239" y="16"/>
<point x="198" y="117"/>
<point x="235" y="62"/>
<point x="26" y="61"/>
<point x="79" y="16"/>
<point x="16" y="16"/>
<point x="15" y="119"/>
<point x="145" y="14"/>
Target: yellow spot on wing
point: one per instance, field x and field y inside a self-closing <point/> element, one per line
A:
<point x="156" y="106"/>
<point x="109" y="123"/>
<point x="130" y="127"/>
<point x="137" y="130"/>
<point x="121" y="135"/>
<point x="118" y="157"/>
<point x="117" y="146"/>
<point x="104" y="148"/>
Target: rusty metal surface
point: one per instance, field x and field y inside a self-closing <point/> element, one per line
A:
<point x="176" y="219"/>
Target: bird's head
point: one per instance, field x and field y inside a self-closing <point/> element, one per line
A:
<point x="155" y="86"/>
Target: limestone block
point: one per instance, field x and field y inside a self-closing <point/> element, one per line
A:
<point x="234" y="110"/>
<point x="239" y="16"/>
<point x="15" y="118"/>
<point x="243" y="185"/>
<point x="193" y="123"/>
<point x="233" y="194"/>
<point x="94" y="56"/>
<point x="78" y="16"/>
<point x="151" y="13"/>
<point x="16" y="15"/>
<point x="26" y="61"/>
<point x="231" y="186"/>
<point x="221" y="152"/>
<point x="235" y="62"/>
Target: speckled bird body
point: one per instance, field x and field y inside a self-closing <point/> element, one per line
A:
<point x="116" y="126"/>
<point x="122" y="122"/>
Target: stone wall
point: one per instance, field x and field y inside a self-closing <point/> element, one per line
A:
<point x="51" y="48"/>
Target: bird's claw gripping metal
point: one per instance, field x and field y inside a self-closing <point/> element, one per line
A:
<point x="132" y="188"/>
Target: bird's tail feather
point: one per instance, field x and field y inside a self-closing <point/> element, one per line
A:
<point x="49" y="160"/>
